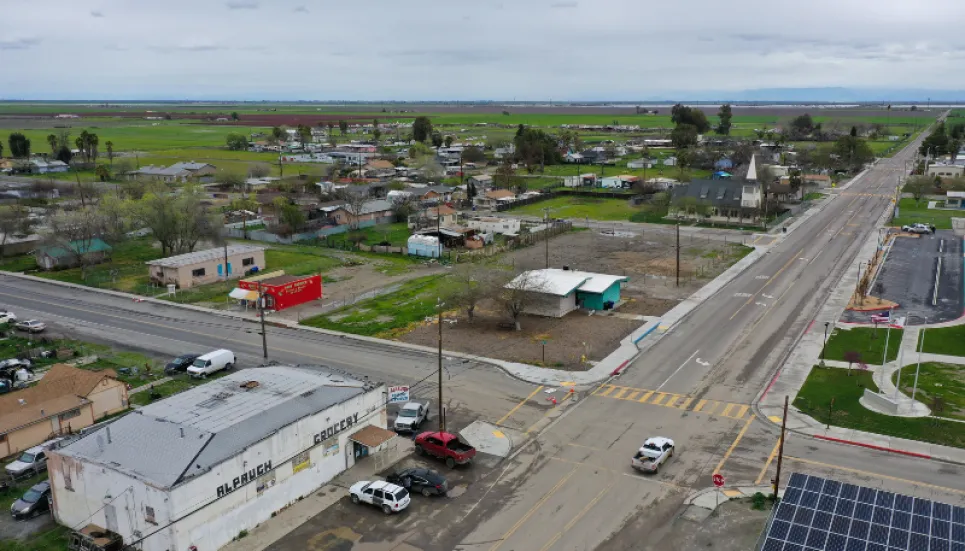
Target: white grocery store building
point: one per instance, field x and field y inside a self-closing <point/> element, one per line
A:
<point x="195" y="469"/>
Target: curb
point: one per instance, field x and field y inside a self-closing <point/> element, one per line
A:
<point x="873" y="447"/>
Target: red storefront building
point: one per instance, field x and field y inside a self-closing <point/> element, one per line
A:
<point x="281" y="291"/>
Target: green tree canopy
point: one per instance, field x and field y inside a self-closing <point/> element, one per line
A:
<point x="681" y="114"/>
<point x="724" y="114"/>
<point x="421" y="129"/>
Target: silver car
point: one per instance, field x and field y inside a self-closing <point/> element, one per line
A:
<point x="31" y="326"/>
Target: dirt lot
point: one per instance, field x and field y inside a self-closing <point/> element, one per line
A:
<point x="564" y="337"/>
<point x="648" y="260"/>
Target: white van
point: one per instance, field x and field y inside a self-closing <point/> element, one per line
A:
<point x="212" y="362"/>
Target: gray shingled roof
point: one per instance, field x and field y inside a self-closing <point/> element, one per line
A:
<point x="188" y="259"/>
<point x="218" y="419"/>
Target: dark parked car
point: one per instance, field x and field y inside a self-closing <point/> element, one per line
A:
<point x="420" y="480"/>
<point x="181" y="363"/>
<point x="35" y="501"/>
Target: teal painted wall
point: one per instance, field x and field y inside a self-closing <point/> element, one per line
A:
<point x="594" y="301"/>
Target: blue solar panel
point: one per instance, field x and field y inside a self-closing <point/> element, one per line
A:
<point x="817" y="514"/>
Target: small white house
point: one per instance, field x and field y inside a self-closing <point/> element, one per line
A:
<point x="670" y="161"/>
<point x="640" y="163"/>
<point x="491" y="224"/>
<point x="555" y="293"/>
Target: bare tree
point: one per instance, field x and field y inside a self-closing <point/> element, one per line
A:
<point x="919" y="186"/>
<point x="473" y="283"/>
<point x="177" y="221"/>
<point x="521" y="293"/>
<point x="259" y="170"/>
<point x="14" y="220"/>
<point x="116" y="213"/>
<point x="355" y="201"/>
<point x="75" y="231"/>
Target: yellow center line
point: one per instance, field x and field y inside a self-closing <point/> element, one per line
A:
<point x="767" y="465"/>
<point x="737" y="440"/>
<point x="876" y="475"/>
<point x="533" y="510"/>
<point x="577" y="518"/>
<point x="519" y="405"/>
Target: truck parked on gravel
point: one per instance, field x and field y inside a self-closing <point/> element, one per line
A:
<point x="411" y="416"/>
<point x="445" y="446"/>
<point x="653" y="453"/>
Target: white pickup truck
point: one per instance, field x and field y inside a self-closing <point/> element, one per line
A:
<point x="653" y="453"/>
<point x="411" y="416"/>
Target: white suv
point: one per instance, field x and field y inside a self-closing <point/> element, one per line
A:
<point x="388" y="496"/>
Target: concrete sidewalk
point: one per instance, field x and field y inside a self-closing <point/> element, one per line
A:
<point x="791" y="376"/>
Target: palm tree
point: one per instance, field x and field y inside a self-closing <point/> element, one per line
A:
<point x="110" y="152"/>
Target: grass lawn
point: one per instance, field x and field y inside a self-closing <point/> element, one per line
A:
<point x="396" y="234"/>
<point x="125" y="272"/>
<point x="814" y="196"/>
<point x="653" y="214"/>
<point x="945" y="340"/>
<point x="381" y="315"/>
<point x="911" y="212"/>
<point x="54" y="539"/>
<point x="864" y="340"/>
<point x="937" y="381"/>
<point x="580" y="207"/>
<point x="825" y="384"/>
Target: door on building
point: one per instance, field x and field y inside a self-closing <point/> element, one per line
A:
<point x="110" y="514"/>
<point x="220" y="270"/>
<point x="360" y="451"/>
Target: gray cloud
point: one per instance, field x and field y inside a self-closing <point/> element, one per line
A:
<point x="18" y="43"/>
<point x="96" y="13"/>
<point x="300" y="9"/>
<point x="242" y="5"/>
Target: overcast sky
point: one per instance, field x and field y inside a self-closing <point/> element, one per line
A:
<point x="483" y="49"/>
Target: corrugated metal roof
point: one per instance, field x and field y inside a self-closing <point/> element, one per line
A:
<point x="555" y="281"/>
<point x="188" y="259"/>
<point x="218" y="419"/>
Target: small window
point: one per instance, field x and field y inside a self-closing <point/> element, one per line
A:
<point x="378" y="494"/>
<point x="3" y="437"/>
<point x="197" y="273"/>
<point x="248" y="261"/>
<point x="70" y="414"/>
<point x="149" y="515"/>
<point x="369" y="491"/>
<point x="68" y="483"/>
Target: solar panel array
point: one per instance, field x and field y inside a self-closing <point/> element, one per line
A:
<point x="826" y="515"/>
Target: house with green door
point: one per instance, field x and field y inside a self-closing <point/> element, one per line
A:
<point x="557" y="292"/>
<point x="70" y="255"/>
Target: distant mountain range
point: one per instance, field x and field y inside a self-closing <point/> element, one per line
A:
<point x="819" y="95"/>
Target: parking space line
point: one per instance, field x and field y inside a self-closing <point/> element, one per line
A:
<point x="533" y="510"/>
<point x="733" y="445"/>
<point x="577" y="518"/>
<point x="519" y="405"/>
<point x="767" y="464"/>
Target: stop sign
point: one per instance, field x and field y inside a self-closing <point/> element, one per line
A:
<point x="718" y="480"/>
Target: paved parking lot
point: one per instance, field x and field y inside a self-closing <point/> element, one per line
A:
<point x="908" y="278"/>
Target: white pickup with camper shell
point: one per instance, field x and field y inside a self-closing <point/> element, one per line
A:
<point x="652" y="454"/>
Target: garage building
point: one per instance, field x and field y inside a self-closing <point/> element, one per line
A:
<point x="195" y="469"/>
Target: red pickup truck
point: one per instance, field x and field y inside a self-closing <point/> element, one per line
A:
<point x="444" y="446"/>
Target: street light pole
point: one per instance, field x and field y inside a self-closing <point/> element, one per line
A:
<point x="921" y="345"/>
<point x="780" y="449"/>
<point x="264" y="335"/>
<point x="824" y="346"/>
<point x="442" y="418"/>
<point x="678" y="249"/>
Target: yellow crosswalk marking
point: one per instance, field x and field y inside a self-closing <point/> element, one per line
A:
<point x="623" y="390"/>
<point x="632" y="395"/>
<point x="659" y="399"/>
<point x="727" y="410"/>
<point x="700" y="405"/>
<point x="741" y="412"/>
<point x="645" y="397"/>
<point x="686" y="403"/>
<point x="609" y="390"/>
<point x="710" y="408"/>
<point x="672" y="401"/>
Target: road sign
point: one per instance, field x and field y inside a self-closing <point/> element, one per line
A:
<point x="398" y="394"/>
<point x="718" y="480"/>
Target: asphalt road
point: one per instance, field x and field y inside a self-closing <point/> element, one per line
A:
<point x="471" y="390"/>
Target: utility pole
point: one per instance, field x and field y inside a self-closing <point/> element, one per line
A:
<point x="281" y="167"/>
<point x="226" y="261"/>
<point x="442" y="414"/>
<point x="780" y="449"/>
<point x="678" y="251"/>
<point x="264" y="335"/>
<point x="546" y="234"/>
<point x="439" y="237"/>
